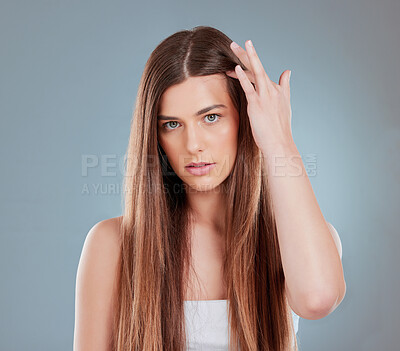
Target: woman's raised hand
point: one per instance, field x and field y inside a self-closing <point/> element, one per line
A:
<point x="268" y="103"/>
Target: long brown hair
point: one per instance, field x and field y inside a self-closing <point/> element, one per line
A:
<point x="156" y="222"/>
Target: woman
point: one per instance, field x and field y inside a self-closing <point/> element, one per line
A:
<point x="237" y="230"/>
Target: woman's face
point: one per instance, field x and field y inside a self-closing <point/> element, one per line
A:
<point x="197" y="122"/>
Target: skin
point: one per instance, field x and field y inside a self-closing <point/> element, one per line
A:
<point x="194" y="138"/>
<point x="189" y="137"/>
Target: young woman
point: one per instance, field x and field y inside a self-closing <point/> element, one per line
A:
<point x="241" y="237"/>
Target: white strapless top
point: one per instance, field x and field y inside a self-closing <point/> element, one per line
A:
<point x="207" y="324"/>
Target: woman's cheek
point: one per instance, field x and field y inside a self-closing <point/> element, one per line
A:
<point x="224" y="132"/>
<point x="227" y="136"/>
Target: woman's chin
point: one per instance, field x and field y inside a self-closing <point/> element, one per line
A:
<point x="202" y="187"/>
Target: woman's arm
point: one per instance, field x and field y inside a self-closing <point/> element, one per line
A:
<point x="315" y="283"/>
<point x="314" y="275"/>
<point x="95" y="292"/>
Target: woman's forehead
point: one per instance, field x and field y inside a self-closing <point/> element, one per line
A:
<point x="194" y="94"/>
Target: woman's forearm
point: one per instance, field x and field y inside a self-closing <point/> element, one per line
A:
<point x="311" y="262"/>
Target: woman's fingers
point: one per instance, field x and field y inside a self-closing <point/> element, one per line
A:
<point x="253" y="63"/>
<point x="262" y="80"/>
<point x="249" y="74"/>
<point x="241" y="54"/>
<point x="249" y="90"/>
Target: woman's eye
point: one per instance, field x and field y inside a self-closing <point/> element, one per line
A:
<point x="165" y="125"/>
<point x="214" y="119"/>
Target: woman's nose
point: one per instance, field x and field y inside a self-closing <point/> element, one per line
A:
<point x="194" y="138"/>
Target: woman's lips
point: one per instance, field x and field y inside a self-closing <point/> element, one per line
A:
<point x="197" y="171"/>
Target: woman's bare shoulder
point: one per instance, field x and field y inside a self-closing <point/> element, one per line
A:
<point x="101" y="250"/>
<point x="96" y="288"/>
<point x="107" y="229"/>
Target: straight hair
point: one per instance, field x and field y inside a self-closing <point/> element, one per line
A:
<point x="155" y="240"/>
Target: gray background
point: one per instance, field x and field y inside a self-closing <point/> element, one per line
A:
<point x="68" y="80"/>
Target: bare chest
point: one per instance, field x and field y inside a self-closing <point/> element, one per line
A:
<point x="206" y="282"/>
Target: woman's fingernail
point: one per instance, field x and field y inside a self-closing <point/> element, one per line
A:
<point x="250" y="43"/>
<point x="234" y="45"/>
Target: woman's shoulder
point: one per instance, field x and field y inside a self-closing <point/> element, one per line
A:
<point x="103" y="240"/>
<point x="107" y="229"/>
<point x="97" y="274"/>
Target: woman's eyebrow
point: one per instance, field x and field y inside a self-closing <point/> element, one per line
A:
<point x="198" y="113"/>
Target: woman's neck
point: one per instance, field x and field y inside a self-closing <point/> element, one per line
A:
<point x="207" y="208"/>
